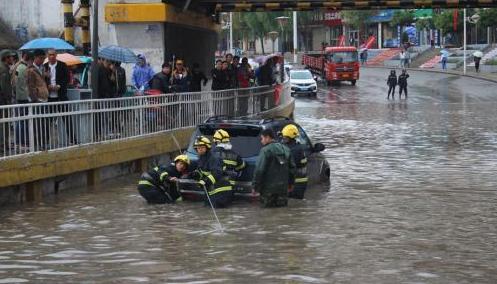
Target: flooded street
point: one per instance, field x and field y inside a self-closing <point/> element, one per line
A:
<point x="412" y="200"/>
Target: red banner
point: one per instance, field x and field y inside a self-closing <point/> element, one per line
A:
<point x="454" y="18"/>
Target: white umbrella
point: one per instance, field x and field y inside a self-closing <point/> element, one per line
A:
<point x="478" y="54"/>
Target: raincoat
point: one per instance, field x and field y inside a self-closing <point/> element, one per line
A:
<point x="142" y="75"/>
<point x="274" y="171"/>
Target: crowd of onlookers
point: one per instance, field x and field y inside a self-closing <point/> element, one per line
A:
<point x="38" y="77"/>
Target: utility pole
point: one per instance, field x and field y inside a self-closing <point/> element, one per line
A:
<point x="295" y="37"/>
<point x="231" y="34"/>
<point x="94" y="51"/>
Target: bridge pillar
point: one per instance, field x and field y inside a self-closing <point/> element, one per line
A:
<point x="162" y="31"/>
<point x="34" y="191"/>
<point x="93" y="177"/>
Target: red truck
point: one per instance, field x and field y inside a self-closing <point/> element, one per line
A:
<point x="335" y="64"/>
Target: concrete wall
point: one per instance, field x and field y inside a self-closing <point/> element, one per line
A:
<point x="32" y="18"/>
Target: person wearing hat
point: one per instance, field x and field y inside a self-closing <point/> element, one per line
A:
<point x="210" y="174"/>
<point x="158" y="186"/>
<point x="233" y="164"/>
<point x="142" y="74"/>
<point x="274" y="173"/>
<point x="7" y="60"/>
<point x="289" y="134"/>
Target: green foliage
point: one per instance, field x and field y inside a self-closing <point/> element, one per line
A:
<point x="357" y="18"/>
<point x="444" y="21"/>
<point x="425" y="23"/>
<point x="491" y="62"/>
<point x="488" y="17"/>
<point x="402" y="18"/>
<point x="404" y="37"/>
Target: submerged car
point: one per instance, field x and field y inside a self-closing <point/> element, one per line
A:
<point x="245" y="138"/>
<point x="303" y="83"/>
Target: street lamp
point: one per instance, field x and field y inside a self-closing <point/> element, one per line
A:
<point x="228" y="24"/>
<point x="283" y="20"/>
<point x="473" y="19"/>
<point x="273" y="35"/>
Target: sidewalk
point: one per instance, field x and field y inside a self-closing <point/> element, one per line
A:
<point x="492" y="77"/>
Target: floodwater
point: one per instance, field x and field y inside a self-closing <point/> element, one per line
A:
<point x="412" y="200"/>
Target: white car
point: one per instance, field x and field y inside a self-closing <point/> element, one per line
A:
<point x="302" y="82"/>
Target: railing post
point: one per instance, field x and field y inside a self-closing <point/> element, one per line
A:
<point x="237" y="111"/>
<point x="180" y="110"/>
<point x="141" y="121"/>
<point x="92" y="121"/>
<point x="31" y="129"/>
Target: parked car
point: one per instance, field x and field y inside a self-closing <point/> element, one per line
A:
<point x="303" y="83"/>
<point x="245" y="138"/>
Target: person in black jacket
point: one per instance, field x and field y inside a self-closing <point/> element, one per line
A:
<point x="57" y="78"/>
<point x="289" y="134"/>
<point x="210" y="174"/>
<point x="120" y="76"/>
<point x="197" y="77"/>
<point x="403" y="83"/>
<point x="219" y="77"/>
<point x="162" y="80"/>
<point x="391" y="82"/>
<point x="158" y="186"/>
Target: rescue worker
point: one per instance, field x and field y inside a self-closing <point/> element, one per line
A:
<point x="403" y="83"/>
<point x="274" y="173"/>
<point x="210" y="174"/>
<point x="391" y="82"/>
<point x="233" y="164"/>
<point x="290" y="133"/>
<point x="158" y="186"/>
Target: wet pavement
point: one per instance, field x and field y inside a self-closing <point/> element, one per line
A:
<point x="412" y="200"/>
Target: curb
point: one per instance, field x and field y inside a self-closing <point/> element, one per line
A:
<point x="437" y="71"/>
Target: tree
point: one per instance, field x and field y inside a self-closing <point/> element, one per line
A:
<point x="488" y="18"/>
<point x="357" y="18"/>
<point x="402" y="18"/>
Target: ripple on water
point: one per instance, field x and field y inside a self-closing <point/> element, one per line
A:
<point x="13" y="280"/>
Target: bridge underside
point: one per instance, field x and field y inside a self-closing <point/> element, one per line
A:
<point x="275" y="5"/>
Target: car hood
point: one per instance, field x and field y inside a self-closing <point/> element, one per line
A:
<point x="302" y="81"/>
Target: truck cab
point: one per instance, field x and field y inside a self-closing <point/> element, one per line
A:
<point x="342" y="64"/>
<point x="335" y="64"/>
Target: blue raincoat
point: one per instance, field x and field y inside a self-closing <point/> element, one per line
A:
<point x="142" y="75"/>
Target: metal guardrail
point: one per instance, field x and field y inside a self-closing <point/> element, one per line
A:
<point x="31" y="128"/>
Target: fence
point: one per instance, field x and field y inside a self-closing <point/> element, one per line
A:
<point x="30" y="128"/>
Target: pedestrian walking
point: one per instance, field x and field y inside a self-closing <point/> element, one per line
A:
<point x="274" y="174"/>
<point x="402" y="57"/>
<point x="142" y="74"/>
<point x="407" y="63"/>
<point x="403" y="83"/>
<point x="210" y="174"/>
<point x="197" y="78"/>
<point x="477" y="63"/>
<point x="444" y="58"/>
<point x="391" y="82"/>
<point x="290" y="134"/>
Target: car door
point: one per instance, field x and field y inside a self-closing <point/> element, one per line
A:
<point x="316" y="163"/>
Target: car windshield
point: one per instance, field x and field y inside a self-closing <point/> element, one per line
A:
<point x="343" y="56"/>
<point x="245" y="139"/>
<point x="301" y="75"/>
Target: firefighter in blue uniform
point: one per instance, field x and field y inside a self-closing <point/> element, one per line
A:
<point x="158" y="186"/>
<point x="210" y="174"/>
<point x="289" y="134"/>
<point x="233" y="164"/>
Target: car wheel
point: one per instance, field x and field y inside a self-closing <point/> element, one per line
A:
<point x="353" y="82"/>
